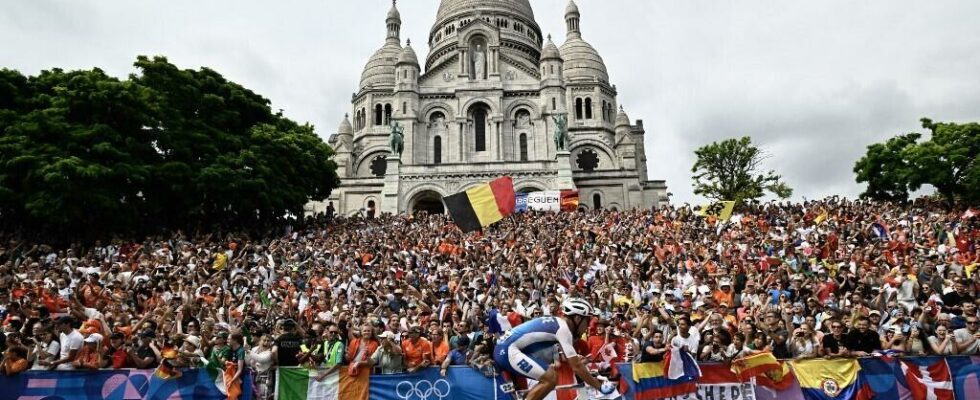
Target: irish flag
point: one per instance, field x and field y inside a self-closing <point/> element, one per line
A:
<point x="301" y="384"/>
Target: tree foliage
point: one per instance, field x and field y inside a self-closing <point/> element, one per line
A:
<point x="731" y="170"/>
<point x="947" y="161"/>
<point x="84" y="154"/>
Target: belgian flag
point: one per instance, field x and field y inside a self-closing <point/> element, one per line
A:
<point x="482" y="205"/>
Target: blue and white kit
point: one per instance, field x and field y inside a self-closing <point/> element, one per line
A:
<point x="530" y="348"/>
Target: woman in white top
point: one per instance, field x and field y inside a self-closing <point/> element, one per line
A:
<point x="942" y="343"/>
<point x="263" y="359"/>
<point x="46" y="348"/>
<point x="804" y="343"/>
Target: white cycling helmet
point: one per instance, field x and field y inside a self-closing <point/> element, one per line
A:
<point x="577" y="306"/>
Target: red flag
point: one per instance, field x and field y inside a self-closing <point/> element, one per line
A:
<point x="928" y="381"/>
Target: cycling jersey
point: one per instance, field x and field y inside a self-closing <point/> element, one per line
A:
<point x="530" y="348"/>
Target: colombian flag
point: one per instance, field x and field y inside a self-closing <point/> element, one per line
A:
<point x="482" y="205"/>
<point x="828" y="379"/>
<point x="754" y="365"/>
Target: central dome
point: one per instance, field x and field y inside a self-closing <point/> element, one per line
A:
<point x="450" y="8"/>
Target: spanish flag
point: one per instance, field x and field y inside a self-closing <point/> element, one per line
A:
<point x="482" y="205"/>
<point x="828" y="379"/>
<point x="754" y="365"/>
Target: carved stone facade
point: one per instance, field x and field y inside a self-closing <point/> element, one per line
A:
<point x="484" y="108"/>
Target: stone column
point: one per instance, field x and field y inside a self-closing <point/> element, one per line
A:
<point x="493" y="60"/>
<point x="390" y="192"/>
<point x="464" y="65"/>
<point x="462" y="142"/>
<point x="500" y="143"/>
<point x="564" y="181"/>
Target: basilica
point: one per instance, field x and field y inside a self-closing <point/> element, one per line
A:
<point x="495" y="97"/>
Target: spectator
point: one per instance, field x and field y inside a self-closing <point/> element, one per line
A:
<point x="654" y="347"/>
<point x="417" y="350"/>
<point x="90" y="356"/>
<point x="262" y="360"/>
<point x="115" y="355"/>
<point x="942" y="343"/>
<point x="835" y="344"/>
<point x="458" y="356"/>
<point x="70" y="344"/>
<point x="388" y="356"/>
<point x="968" y="339"/>
<point x="804" y="343"/>
<point x="46" y="348"/>
<point x="862" y="342"/>
<point x="14" y="361"/>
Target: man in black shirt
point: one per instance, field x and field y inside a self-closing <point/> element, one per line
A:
<point x="953" y="301"/>
<point x="288" y="345"/>
<point x="833" y="344"/>
<point x="863" y="341"/>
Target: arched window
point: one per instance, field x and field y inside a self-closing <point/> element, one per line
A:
<point x="378" y="115"/>
<point x="523" y="145"/>
<point x="554" y="104"/>
<point x="480" y="129"/>
<point x="588" y="108"/>
<point x="578" y="108"/>
<point x="404" y="107"/>
<point x="596" y="201"/>
<point x="603" y="110"/>
<point x="437" y="150"/>
<point x="387" y="114"/>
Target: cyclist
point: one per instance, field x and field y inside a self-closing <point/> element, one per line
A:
<point x="531" y="348"/>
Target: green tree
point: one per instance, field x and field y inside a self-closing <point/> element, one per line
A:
<point x="83" y="154"/>
<point x="731" y="170"/>
<point x="886" y="170"/>
<point x="947" y="161"/>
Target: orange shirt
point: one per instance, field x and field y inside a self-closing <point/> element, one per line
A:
<point x="370" y="345"/>
<point x="416" y="353"/>
<point x="88" y="358"/>
<point x="440" y="351"/>
<point x="722" y="297"/>
<point x="11" y="367"/>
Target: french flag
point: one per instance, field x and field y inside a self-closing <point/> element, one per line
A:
<point x="497" y="322"/>
<point x="679" y="364"/>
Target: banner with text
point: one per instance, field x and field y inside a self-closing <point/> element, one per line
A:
<point x="952" y="377"/>
<point x="548" y="200"/>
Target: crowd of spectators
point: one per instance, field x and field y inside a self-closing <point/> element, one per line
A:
<point x="828" y="278"/>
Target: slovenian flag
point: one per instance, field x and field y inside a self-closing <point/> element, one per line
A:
<point x="498" y="323"/>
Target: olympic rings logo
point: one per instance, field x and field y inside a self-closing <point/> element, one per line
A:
<point x="421" y="390"/>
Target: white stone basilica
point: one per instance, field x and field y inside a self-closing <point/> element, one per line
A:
<point x="486" y="105"/>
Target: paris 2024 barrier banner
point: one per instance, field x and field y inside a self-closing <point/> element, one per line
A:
<point x="913" y="378"/>
<point x="116" y="384"/>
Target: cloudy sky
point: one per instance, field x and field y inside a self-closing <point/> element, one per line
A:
<point x="813" y="82"/>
